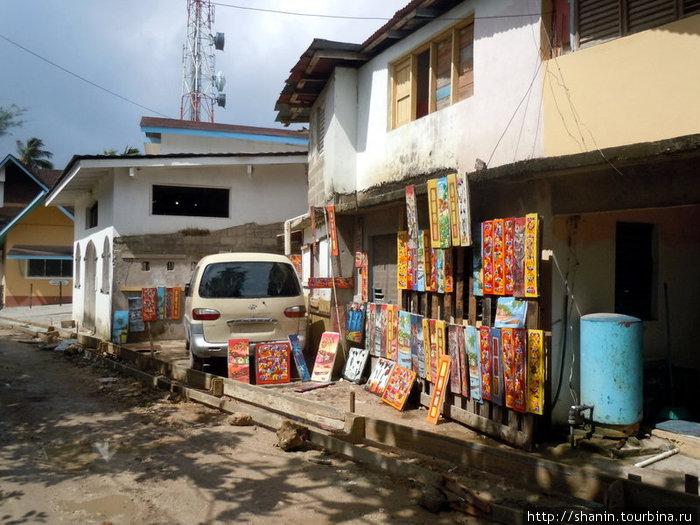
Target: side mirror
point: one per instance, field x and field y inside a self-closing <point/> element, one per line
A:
<point x="187" y="290"/>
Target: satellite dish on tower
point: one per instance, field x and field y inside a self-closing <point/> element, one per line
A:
<point x="221" y="100"/>
<point x="219" y="41"/>
<point x="219" y="81"/>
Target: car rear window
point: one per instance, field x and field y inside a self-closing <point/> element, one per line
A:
<point x="248" y="280"/>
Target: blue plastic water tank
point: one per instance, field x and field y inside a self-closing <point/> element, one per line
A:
<point x="612" y="367"/>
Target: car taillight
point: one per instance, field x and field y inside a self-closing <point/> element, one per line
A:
<point x="295" y="311"/>
<point x="205" y="314"/>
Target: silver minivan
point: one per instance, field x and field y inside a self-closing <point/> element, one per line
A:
<point x="253" y="296"/>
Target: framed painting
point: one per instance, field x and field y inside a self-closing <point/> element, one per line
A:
<point x="465" y="221"/>
<point x="496" y="367"/>
<point x="149" y="304"/>
<point x="510" y="313"/>
<point x="437" y="398"/>
<point x="135" y="318"/>
<point x="471" y="341"/>
<point x="120" y="326"/>
<point x="379" y="377"/>
<point x="325" y="358"/>
<point x="499" y="254"/>
<point x="487" y="257"/>
<point x="519" y="257"/>
<point x="513" y="342"/>
<point x="455" y="233"/>
<point x="272" y="362"/>
<point x="485" y="361"/>
<point x="535" y="371"/>
<point x="399" y="386"/>
<point x="509" y="251"/>
<point x="355" y="364"/>
<point x="238" y="360"/>
<point x="531" y="255"/>
<point x="299" y="358"/>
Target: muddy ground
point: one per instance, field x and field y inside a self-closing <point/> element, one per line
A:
<point x="80" y="444"/>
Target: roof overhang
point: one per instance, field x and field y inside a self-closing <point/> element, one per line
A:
<point x="30" y="251"/>
<point x="83" y="173"/>
<point x="312" y="72"/>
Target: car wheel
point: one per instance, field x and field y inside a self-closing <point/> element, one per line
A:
<point x="196" y="363"/>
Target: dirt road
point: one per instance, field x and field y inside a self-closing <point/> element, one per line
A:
<point x="79" y="444"/>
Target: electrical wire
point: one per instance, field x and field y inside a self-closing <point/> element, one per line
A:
<point x="79" y="77"/>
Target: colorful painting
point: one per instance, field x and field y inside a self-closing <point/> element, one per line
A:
<point x="419" y="281"/>
<point x="437" y="398"/>
<point x="355" y="364"/>
<point x="325" y="358"/>
<point x="427" y="356"/>
<point x="380" y="330"/>
<point x="297" y="262"/>
<point x="531" y="255"/>
<point x="514" y="366"/>
<point x="332" y="231"/>
<point x="392" y="331"/>
<point x="413" y="231"/>
<point x="272" y="362"/>
<point x="477" y="270"/>
<point x="364" y="277"/>
<point x="239" y="360"/>
<point x="519" y="257"/>
<point x="417" y="356"/>
<point x="455" y="234"/>
<point x="355" y="321"/>
<point x="329" y="282"/>
<point x="432" y="284"/>
<point x="402" y="263"/>
<point x="135" y="319"/>
<point x="444" y="213"/>
<point x="434" y="213"/>
<point x="463" y="361"/>
<point x="449" y="278"/>
<point x="177" y="302"/>
<point x="432" y="324"/>
<point x="496" y="367"/>
<point x="399" y="386"/>
<point x="499" y="254"/>
<point x="160" y="297"/>
<point x="510" y="313"/>
<point x="440" y="260"/>
<point x="299" y="358"/>
<point x="465" y="221"/>
<point x="509" y="247"/>
<point x="454" y="334"/>
<point x="168" y="303"/>
<point x="379" y="377"/>
<point x="485" y="361"/>
<point x="487" y="256"/>
<point x="471" y="335"/>
<point x="403" y="355"/>
<point x="535" y="371"/>
<point x="370" y="327"/>
<point x="149" y="304"/>
<point x="120" y="326"/>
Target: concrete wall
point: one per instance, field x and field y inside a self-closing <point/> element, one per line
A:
<point x="44" y="226"/>
<point x="640" y="88"/>
<point x="588" y="261"/>
<point x="188" y="143"/>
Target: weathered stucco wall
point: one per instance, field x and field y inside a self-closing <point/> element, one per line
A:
<point x="640" y="88"/>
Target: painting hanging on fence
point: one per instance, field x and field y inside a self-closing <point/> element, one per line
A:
<point x="168" y="303"/>
<point x="509" y="250"/>
<point x="485" y="361"/>
<point x="355" y="321"/>
<point x="272" y="362"/>
<point x="535" y="371"/>
<point x="149" y="304"/>
<point x="299" y="360"/>
<point x="355" y="364"/>
<point x="471" y="335"/>
<point x="120" y="326"/>
<point x="434" y="213"/>
<point x="399" y="386"/>
<point x="449" y="278"/>
<point x="332" y="231"/>
<point x="437" y="397"/>
<point x="496" y="367"/>
<point x="487" y="256"/>
<point x="135" y="319"/>
<point x="370" y="330"/>
<point x="465" y="221"/>
<point x="444" y="213"/>
<point x="412" y="227"/>
<point x="392" y="331"/>
<point x="160" y="297"/>
<point x="402" y="263"/>
<point x="514" y="366"/>
<point x="519" y="257"/>
<point x="177" y="302"/>
<point x="432" y="324"/>
<point x="454" y="209"/>
<point x="426" y="349"/>
<point x="531" y="255"/>
<point x="238" y="360"/>
<point x="499" y="284"/>
<point x="454" y="334"/>
<point x="403" y="354"/>
<point x="417" y="350"/>
<point x="440" y="264"/>
<point x="510" y="312"/>
<point x="325" y="358"/>
<point x="380" y="376"/>
<point x="463" y="362"/>
<point x="419" y="282"/>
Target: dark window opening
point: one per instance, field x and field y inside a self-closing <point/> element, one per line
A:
<point x="91" y="216"/>
<point x="634" y="270"/>
<point x="50" y="268"/>
<point x="422" y="84"/>
<point x="190" y="201"/>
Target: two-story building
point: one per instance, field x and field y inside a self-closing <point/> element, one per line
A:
<point x="145" y="220"/>
<point x="584" y="113"/>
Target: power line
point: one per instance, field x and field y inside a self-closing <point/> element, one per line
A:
<point x="125" y="99"/>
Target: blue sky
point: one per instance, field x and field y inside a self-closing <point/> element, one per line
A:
<point x="134" y="49"/>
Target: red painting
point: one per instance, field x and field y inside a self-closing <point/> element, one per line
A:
<point x="519" y="257"/>
<point x="509" y="261"/>
<point x="514" y="365"/>
<point x="531" y="255"/>
<point x="239" y="360"/>
<point x="325" y="358"/>
<point x="332" y="232"/>
<point x="487" y="256"/>
<point x="499" y="254"/>
<point x="149" y="304"/>
<point x="177" y="302"/>
<point x="398" y="386"/>
<point x="437" y="398"/>
<point x="485" y="359"/>
<point x="272" y="362"/>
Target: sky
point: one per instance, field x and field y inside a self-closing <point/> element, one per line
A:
<point x="128" y="55"/>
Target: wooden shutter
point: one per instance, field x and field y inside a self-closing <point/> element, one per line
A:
<point x="402" y="92"/>
<point x="690" y="7"/>
<point x="465" y="68"/>
<point x="598" y="20"/>
<point x="443" y="73"/>
<point x="645" y="14"/>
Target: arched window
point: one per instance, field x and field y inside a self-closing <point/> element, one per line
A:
<point x="106" y="266"/>
<point x="76" y="270"/>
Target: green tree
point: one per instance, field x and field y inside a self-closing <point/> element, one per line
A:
<point x="32" y="154"/>
<point x="128" y="150"/>
<point x="9" y="118"/>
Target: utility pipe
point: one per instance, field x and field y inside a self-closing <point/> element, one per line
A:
<point x="658" y="457"/>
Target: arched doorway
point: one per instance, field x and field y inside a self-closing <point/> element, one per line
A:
<point x="89" y="297"/>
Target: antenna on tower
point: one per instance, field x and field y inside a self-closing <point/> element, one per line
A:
<point x="201" y="87"/>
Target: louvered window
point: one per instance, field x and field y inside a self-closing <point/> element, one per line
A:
<point x="602" y="20"/>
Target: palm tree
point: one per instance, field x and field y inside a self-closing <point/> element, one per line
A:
<point x="32" y="154"/>
<point x="9" y="118"/>
<point x="128" y="150"/>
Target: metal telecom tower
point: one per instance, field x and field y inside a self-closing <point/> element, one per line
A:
<point x="201" y="87"/>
